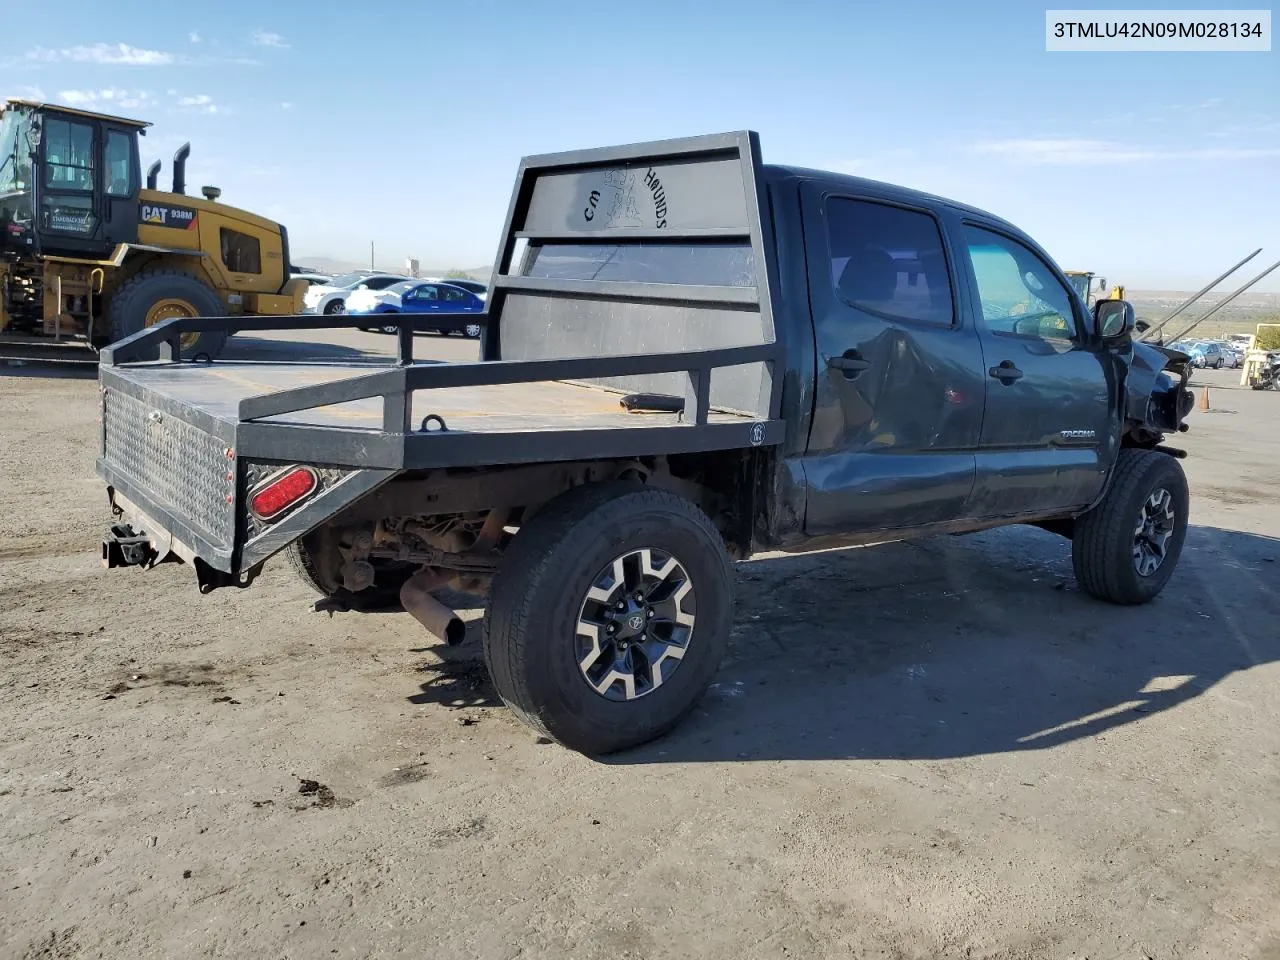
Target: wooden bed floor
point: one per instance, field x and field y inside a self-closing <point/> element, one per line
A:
<point x="517" y="407"/>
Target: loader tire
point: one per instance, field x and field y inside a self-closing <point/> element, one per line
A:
<point x="599" y="662"/>
<point x="1126" y="548"/>
<point x="156" y="295"/>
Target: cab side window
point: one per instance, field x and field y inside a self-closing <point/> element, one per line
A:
<point x="1019" y="293"/>
<point x="240" y="252"/>
<point x="118" y="173"/>
<point x="889" y="261"/>
<point x="381" y="283"/>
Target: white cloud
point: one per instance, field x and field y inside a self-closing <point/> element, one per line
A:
<point x="193" y="37"/>
<point x="265" y="38"/>
<point x="286" y="105"/>
<point x="171" y="92"/>
<point x="201" y="103"/>
<point x="106" y="97"/>
<point x="108" y="54"/>
<point x="1073" y="152"/>
<point x="25" y="93"/>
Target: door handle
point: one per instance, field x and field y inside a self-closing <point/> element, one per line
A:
<point x="1006" y="373"/>
<point x="850" y="364"/>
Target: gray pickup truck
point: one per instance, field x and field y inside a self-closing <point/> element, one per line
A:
<point x="688" y="357"/>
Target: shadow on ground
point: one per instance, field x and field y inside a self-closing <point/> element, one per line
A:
<point x="958" y="646"/>
<point x="952" y="647"/>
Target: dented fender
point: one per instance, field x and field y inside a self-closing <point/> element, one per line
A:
<point x="1156" y="393"/>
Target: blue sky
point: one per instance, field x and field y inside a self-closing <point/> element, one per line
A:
<point x="403" y="123"/>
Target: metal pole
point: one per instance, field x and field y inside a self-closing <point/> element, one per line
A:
<point x="1222" y="303"/>
<point x="1151" y="332"/>
<point x="371" y="266"/>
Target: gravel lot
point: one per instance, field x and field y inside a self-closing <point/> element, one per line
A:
<point x="919" y="750"/>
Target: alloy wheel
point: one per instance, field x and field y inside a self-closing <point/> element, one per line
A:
<point x="1156" y="522"/>
<point x="635" y="625"/>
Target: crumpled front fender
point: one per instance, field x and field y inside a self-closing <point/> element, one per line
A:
<point x="1156" y="393"/>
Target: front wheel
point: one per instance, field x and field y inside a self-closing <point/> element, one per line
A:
<point x="1126" y="548"/>
<point x="334" y="307"/>
<point x="473" y="331"/>
<point x="609" y="616"/>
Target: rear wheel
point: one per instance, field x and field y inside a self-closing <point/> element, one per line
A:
<point x="334" y="307"/>
<point x="473" y="330"/>
<point x="609" y="616"/>
<point x="1126" y="548"/>
<point x="153" y="296"/>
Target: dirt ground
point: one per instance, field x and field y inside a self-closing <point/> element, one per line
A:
<point x="928" y="750"/>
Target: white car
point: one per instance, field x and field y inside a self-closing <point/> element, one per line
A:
<point x="313" y="279"/>
<point x="366" y="300"/>
<point x="330" y="298"/>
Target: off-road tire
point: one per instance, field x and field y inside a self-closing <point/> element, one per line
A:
<point x="1102" y="547"/>
<point x="127" y="309"/>
<point x="537" y="596"/>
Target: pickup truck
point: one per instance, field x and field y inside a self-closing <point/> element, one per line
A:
<point x="688" y="357"/>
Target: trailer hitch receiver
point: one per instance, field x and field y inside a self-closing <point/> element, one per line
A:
<point x="125" y="547"/>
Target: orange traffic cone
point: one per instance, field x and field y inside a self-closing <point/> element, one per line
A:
<point x="1204" y="398"/>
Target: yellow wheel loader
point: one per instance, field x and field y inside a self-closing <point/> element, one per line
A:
<point x="89" y="254"/>
<point x="1091" y="287"/>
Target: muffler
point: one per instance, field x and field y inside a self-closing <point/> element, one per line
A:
<point x="439" y="620"/>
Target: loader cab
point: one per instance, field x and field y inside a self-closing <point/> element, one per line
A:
<point x="69" y="181"/>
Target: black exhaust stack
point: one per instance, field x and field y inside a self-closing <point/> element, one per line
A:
<point x="180" y="168"/>
<point x="153" y="175"/>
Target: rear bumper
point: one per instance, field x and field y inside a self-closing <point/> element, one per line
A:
<point x="146" y="534"/>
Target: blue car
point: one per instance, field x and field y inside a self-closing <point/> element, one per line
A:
<point x="444" y="308"/>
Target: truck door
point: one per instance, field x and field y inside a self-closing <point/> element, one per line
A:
<point x="1051" y="418"/>
<point x="899" y="382"/>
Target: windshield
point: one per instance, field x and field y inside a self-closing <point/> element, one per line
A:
<point x="15" y="151"/>
<point x="1081" y="283"/>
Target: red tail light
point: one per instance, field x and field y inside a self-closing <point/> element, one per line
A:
<point x="282" y="492"/>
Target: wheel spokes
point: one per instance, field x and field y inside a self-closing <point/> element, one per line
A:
<point x="635" y="624"/>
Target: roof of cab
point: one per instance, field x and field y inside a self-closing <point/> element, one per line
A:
<point x="41" y="105"/>
<point x="887" y="191"/>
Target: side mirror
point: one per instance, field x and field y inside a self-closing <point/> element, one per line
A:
<point x="1113" y="319"/>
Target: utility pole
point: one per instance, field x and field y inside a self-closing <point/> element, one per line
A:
<point x="371" y="266"/>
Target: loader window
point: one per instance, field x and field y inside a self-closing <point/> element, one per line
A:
<point x="68" y="155"/>
<point x="119" y="169"/>
<point x="241" y="252"/>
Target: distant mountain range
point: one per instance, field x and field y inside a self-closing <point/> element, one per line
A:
<point x="333" y="266"/>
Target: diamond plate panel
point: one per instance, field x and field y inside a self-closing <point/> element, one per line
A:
<point x="178" y="465"/>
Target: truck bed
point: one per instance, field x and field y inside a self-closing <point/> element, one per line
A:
<point x="217" y="390"/>
<point x="185" y="443"/>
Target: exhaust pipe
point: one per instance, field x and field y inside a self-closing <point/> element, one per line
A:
<point x="439" y="620"/>
<point x="180" y="168"/>
<point x="153" y="175"/>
